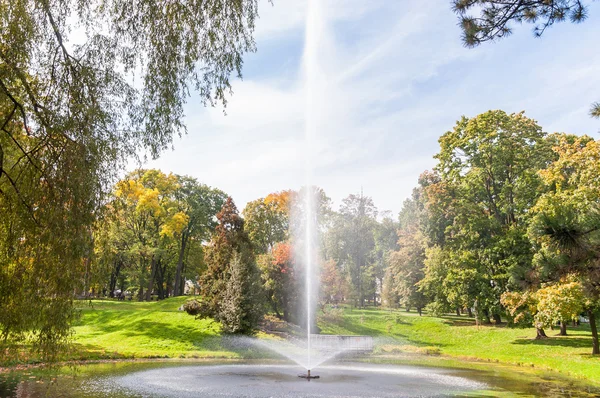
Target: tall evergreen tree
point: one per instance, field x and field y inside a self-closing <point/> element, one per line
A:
<point x="241" y="307"/>
<point x="231" y="274"/>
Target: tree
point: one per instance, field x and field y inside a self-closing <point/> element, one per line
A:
<point x="566" y="223"/>
<point x="149" y="219"/>
<point x="70" y="115"/>
<point x="334" y="286"/>
<point x="385" y="237"/>
<point x="267" y="220"/>
<point x="496" y="17"/>
<point x="407" y="265"/>
<point x="389" y="296"/>
<point x="280" y="280"/>
<point x="200" y="203"/>
<point x="351" y="241"/>
<point x="489" y="165"/>
<point x="241" y="306"/>
<point x="522" y="307"/>
<point x="552" y="303"/>
<point x="560" y="302"/>
<point x="229" y="255"/>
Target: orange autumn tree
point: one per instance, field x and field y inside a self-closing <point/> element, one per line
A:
<point x="280" y="280"/>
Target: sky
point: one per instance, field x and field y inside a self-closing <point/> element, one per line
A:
<point x="393" y="77"/>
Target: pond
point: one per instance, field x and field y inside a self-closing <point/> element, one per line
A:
<point x="260" y="379"/>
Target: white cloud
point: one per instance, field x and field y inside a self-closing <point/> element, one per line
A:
<point x="394" y="78"/>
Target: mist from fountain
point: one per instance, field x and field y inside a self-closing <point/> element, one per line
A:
<point x="296" y="351"/>
<point x="310" y="59"/>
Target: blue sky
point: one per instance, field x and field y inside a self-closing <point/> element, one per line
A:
<point x="394" y="77"/>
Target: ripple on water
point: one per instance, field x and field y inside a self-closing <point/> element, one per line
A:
<point x="272" y="380"/>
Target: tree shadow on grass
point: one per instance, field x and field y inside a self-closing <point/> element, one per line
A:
<point x="388" y="338"/>
<point x="573" y="342"/>
<point x="169" y="331"/>
<point x="453" y="320"/>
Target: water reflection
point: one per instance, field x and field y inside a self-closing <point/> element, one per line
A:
<point x="177" y="379"/>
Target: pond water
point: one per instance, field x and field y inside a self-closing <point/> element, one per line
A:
<point x="218" y="379"/>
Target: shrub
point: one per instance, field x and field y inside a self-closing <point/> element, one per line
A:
<point x="436" y="309"/>
<point x="196" y="308"/>
<point x="332" y="315"/>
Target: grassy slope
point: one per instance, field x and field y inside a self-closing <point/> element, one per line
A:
<point x="459" y="337"/>
<point x="145" y="330"/>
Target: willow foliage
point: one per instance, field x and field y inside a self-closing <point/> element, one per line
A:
<point x="82" y="86"/>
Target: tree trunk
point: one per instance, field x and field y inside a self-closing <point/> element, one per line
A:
<point x="151" y="279"/>
<point x="160" y="281"/>
<point x="114" y="276"/>
<point x="141" y="278"/>
<point x="486" y="315"/>
<point x="361" y="300"/>
<point x="540" y="334"/>
<point x="419" y="310"/>
<point x="497" y="319"/>
<point x="596" y="346"/>
<point x="457" y="311"/>
<point x="563" y="328"/>
<point x="85" y="277"/>
<point x="470" y="312"/>
<point x="168" y="291"/>
<point x="178" y="291"/>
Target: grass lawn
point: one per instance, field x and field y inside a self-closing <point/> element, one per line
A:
<point x="459" y="337"/>
<point x="116" y="329"/>
<point x="123" y="329"/>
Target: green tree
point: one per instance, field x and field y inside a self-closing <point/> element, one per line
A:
<point x="385" y="237"/>
<point x="200" y="203"/>
<point x="70" y="115"/>
<point x="351" y="241"/>
<point x="241" y="306"/>
<point x="407" y="265"/>
<point x="496" y="16"/>
<point x="434" y="282"/>
<point x="522" y="307"/>
<point x="566" y="225"/>
<point x="490" y="166"/>
<point x="560" y="302"/>
<point x="229" y="247"/>
<point x="553" y="302"/>
<point x="267" y="220"/>
<point x="148" y="221"/>
<point x="389" y="296"/>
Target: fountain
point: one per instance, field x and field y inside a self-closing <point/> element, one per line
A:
<point x="310" y="77"/>
<point x="265" y="379"/>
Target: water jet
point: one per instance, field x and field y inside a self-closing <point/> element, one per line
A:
<point x="308" y="376"/>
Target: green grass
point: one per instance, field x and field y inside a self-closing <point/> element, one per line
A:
<point x="117" y="329"/>
<point x="112" y="330"/>
<point x="459" y="337"/>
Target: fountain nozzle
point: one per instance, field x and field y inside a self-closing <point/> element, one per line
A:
<point x="307" y="376"/>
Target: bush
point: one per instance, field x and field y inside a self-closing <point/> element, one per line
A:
<point x="196" y="308"/>
<point x="436" y="309"/>
<point x="332" y="315"/>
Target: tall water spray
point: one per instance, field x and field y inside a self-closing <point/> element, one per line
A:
<point x="313" y="31"/>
